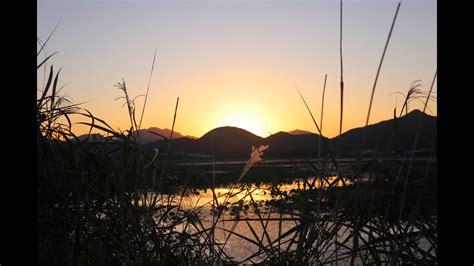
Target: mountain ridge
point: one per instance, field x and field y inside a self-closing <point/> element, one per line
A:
<point x="234" y="142"/>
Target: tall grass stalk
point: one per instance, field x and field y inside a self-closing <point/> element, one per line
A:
<point x="163" y="169"/>
<point x="322" y="114"/>
<point x="380" y="64"/>
<point x="376" y="79"/>
<point x="147" y="90"/>
<point x="342" y="72"/>
<point x="130" y="106"/>
<point x="375" y="82"/>
<point x="45" y="42"/>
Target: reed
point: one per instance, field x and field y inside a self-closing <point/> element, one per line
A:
<point x="322" y="115"/>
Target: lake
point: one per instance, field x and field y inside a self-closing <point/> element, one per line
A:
<point x="245" y="214"/>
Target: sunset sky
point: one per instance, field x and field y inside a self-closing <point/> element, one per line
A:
<point x="235" y="63"/>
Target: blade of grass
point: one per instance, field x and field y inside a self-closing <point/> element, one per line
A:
<point x="45" y="91"/>
<point x="380" y="64"/>
<point x="147" y="89"/>
<point x="46" y="59"/>
<point x="342" y="74"/>
<point x="167" y="151"/>
<point x="45" y="42"/>
<point x="322" y="115"/>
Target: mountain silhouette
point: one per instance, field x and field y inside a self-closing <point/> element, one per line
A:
<point x="377" y="136"/>
<point x="146" y="136"/>
<point x="283" y="144"/>
<point x="224" y="142"/>
<point x="299" y="132"/>
<point x="92" y="137"/>
<point x="233" y="142"/>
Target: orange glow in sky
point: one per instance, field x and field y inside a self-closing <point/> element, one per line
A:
<point x="247" y="116"/>
<point x="235" y="63"/>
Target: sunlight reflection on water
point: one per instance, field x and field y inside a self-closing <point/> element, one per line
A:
<point x="262" y="192"/>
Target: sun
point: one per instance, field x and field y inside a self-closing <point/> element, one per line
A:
<point x="249" y="123"/>
<point x="245" y="116"/>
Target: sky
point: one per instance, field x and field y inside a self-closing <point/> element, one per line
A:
<point x="237" y="62"/>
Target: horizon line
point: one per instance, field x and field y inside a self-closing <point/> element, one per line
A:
<point x="288" y="132"/>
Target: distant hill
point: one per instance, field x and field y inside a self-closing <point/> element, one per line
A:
<point x="378" y="135"/>
<point x="228" y="141"/>
<point x="147" y="137"/>
<point x="224" y="142"/>
<point x="284" y="144"/>
<point x="233" y="142"/>
<point x="299" y="132"/>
